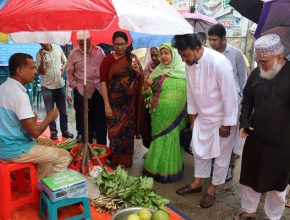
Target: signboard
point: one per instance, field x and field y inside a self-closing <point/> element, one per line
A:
<point x="214" y="8"/>
<point x="6" y="50"/>
<point x="226" y="3"/>
<point x="235" y="24"/>
<point x="182" y="6"/>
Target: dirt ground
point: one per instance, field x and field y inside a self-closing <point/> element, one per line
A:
<point x="227" y="203"/>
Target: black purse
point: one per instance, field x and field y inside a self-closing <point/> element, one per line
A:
<point x="185" y="138"/>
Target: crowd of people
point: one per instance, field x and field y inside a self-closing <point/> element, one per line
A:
<point x="185" y="83"/>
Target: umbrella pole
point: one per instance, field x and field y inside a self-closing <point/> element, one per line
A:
<point x="86" y="147"/>
<point x="85" y="161"/>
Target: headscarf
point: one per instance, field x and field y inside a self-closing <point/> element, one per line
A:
<point x="268" y="45"/>
<point x="175" y="69"/>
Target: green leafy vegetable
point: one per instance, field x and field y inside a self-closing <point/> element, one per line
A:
<point x="131" y="191"/>
<point x="68" y="144"/>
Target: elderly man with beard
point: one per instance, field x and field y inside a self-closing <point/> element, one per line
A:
<point x="265" y="122"/>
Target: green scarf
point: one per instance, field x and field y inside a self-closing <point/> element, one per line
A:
<point x="175" y="69"/>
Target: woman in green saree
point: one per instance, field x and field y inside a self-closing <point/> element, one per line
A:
<point x="165" y="157"/>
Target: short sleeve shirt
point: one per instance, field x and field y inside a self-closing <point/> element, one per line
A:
<point x="53" y="62"/>
<point x="14" y="107"/>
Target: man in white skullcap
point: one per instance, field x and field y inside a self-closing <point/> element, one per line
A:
<point x="75" y="74"/>
<point x="265" y="123"/>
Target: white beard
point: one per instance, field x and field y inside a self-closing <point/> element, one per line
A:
<point x="272" y="72"/>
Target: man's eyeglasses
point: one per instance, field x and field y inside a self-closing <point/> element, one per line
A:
<point x="264" y="61"/>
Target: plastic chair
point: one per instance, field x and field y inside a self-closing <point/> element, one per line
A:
<point x="4" y="74"/>
<point x="29" y="87"/>
<point x="48" y="209"/>
<point x="38" y="95"/>
<point x="3" y="79"/>
<point x="19" y="173"/>
<point x="37" y="91"/>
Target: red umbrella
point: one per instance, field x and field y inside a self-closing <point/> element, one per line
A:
<point x="41" y="15"/>
<point x="103" y="36"/>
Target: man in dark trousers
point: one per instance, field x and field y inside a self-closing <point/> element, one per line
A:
<point x="75" y="76"/>
<point x="265" y="123"/>
<point x="50" y="62"/>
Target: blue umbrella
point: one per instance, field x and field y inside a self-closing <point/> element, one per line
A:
<point x="141" y="40"/>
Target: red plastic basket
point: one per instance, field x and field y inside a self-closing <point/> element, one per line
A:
<point x="76" y="163"/>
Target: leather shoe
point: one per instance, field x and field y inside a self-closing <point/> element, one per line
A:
<point x="188" y="189"/>
<point x="207" y="200"/>
<point x="242" y="217"/>
<point x="53" y="136"/>
<point x="230" y="174"/>
<point x="68" y="135"/>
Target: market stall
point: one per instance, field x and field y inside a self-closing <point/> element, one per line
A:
<point x="133" y="189"/>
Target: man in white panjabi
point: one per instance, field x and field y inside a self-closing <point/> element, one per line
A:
<point x="218" y="41"/>
<point x="213" y="109"/>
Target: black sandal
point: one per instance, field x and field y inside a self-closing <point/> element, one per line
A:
<point x="241" y="217"/>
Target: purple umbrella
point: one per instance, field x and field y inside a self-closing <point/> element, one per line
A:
<point x="275" y="18"/>
<point x="199" y="22"/>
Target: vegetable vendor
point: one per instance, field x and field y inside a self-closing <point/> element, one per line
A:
<point x="19" y="129"/>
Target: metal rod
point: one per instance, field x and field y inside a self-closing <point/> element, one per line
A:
<point x="85" y="161"/>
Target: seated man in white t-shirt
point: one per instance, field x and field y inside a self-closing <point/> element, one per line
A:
<point x="19" y="128"/>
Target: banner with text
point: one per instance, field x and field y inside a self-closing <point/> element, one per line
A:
<point x="235" y="24"/>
